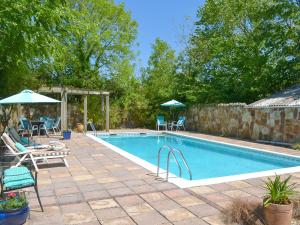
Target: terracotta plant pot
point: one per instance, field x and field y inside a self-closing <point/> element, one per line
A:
<point x="278" y="214"/>
<point x="80" y="127"/>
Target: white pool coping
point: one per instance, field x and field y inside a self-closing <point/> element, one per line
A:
<point x="183" y="183"/>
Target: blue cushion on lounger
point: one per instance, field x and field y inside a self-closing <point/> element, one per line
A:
<point x="21" y="147"/>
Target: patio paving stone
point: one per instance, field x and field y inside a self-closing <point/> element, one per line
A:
<point x="51" y="215"/>
<point x="138" y="209"/>
<point x="120" y="191"/>
<point x="130" y="200"/>
<point x="221" y="187"/>
<point x="132" y="183"/>
<point x="66" y="190"/>
<point x="94" y="195"/>
<point x="155" y="196"/>
<point x="150" y="218"/>
<point x="239" y="184"/>
<point x="236" y="194"/>
<point x="164" y="204"/>
<point x="193" y="221"/>
<point x="118" y="221"/>
<point x="102" y="204"/>
<point x="113" y="185"/>
<point x="214" y="220"/>
<point x="188" y="201"/>
<point x="109" y="213"/>
<point x="70" y="198"/>
<point x="202" y="190"/>
<point x="203" y="210"/>
<point x="178" y="214"/>
<point x="143" y="189"/>
<point x="216" y="197"/>
<point x="77" y="213"/>
<point x="176" y="193"/>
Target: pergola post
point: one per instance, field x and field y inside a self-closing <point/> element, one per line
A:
<point x="19" y="112"/>
<point x="85" y="113"/>
<point x="64" y="109"/>
<point x="107" y="113"/>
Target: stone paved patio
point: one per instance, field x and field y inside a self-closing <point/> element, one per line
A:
<point x="102" y="187"/>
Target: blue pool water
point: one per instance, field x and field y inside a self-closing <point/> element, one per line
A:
<point x="206" y="159"/>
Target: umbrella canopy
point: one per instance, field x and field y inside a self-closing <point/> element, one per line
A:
<point x="27" y="97"/>
<point x="173" y="103"/>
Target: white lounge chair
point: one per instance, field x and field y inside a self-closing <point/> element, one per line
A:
<point x="34" y="154"/>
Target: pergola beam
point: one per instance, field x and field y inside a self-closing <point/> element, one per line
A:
<point x="73" y="91"/>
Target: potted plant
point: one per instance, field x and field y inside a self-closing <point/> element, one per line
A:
<point x="13" y="209"/>
<point x="67" y="134"/>
<point x="80" y="127"/>
<point x="278" y="207"/>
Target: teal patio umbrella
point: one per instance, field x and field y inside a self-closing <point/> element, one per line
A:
<point x="172" y="104"/>
<point x="27" y="97"/>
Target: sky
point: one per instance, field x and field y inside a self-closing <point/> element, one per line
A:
<point x="169" y="20"/>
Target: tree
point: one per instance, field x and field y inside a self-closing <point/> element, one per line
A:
<point x="128" y="98"/>
<point x="243" y="50"/>
<point x="27" y="38"/>
<point x="98" y="35"/>
<point x="159" y="77"/>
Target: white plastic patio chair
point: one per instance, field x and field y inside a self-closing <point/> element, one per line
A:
<point x="160" y="122"/>
<point x="179" y="123"/>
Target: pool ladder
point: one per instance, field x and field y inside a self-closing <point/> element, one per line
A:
<point x="172" y="151"/>
<point x="93" y="128"/>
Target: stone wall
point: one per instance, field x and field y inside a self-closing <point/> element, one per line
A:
<point x="34" y="112"/>
<point x="235" y="120"/>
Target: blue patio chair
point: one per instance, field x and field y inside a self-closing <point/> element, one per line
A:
<point x="179" y="123"/>
<point x="160" y="122"/>
<point x="48" y="125"/>
<point x="56" y="125"/>
<point x="16" y="178"/>
<point x="25" y="125"/>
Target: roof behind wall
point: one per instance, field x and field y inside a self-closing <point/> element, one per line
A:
<point x="287" y="98"/>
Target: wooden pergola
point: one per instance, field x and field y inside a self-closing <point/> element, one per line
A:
<point x="65" y="91"/>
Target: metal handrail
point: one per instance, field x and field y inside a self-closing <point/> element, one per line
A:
<point x="93" y="128"/>
<point x="158" y="159"/>
<point x="184" y="161"/>
<point x="171" y="151"/>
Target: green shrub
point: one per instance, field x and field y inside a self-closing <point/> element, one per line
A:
<point x="296" y="146"/>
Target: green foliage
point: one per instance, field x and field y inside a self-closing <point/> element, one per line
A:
<point x="296" y="146"/>
<point x="128" y="99"/>
<point x="242" y="51"/>
<point x="28" y="37"/>
<point x="69" y="43"/>
<point x="13" y="201"/>
<point x="5" y="115"/>
<point x="279" y="191"/>
<point x="159" y="78"/>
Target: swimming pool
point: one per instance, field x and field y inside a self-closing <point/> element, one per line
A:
<point x="208" y="160"/>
